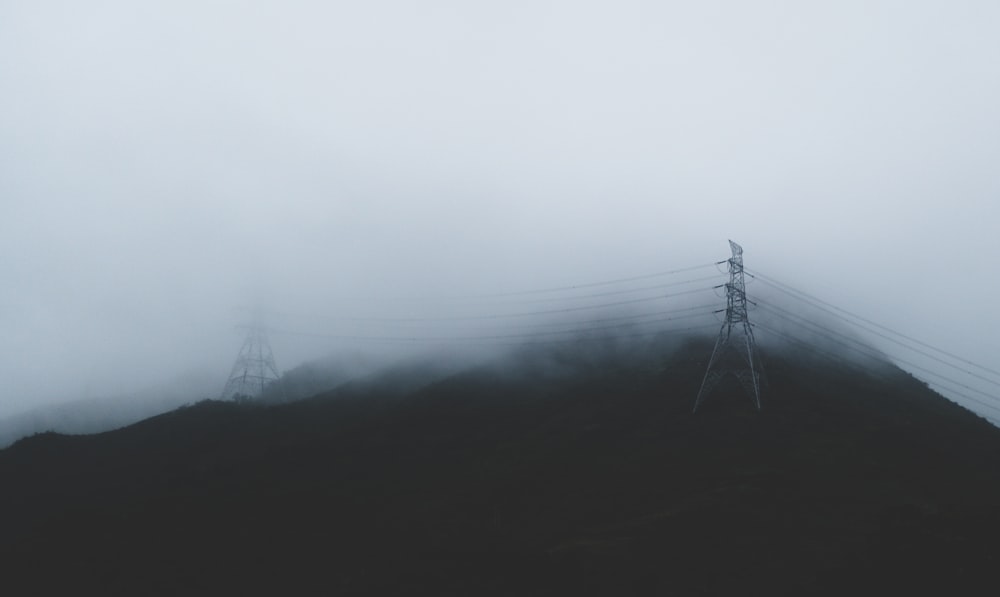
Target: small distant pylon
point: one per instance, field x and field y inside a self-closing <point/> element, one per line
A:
<point x="735" y="349"/>
<point x="254" y="368"/>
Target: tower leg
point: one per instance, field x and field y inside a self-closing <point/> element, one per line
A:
<point x="711" y="377"/>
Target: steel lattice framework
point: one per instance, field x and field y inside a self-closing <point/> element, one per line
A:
<point x="735" y="349"/>
<point x="254" y="368"/>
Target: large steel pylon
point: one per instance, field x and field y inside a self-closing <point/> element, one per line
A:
<point x="254" y="368"/>
<point x="735" y="349"/>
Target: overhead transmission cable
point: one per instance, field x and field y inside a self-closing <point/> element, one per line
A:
<point x="534" y="291"/>
<point x="635" y="317"/>
<point x="908" y="364"/>
<point x="511" y="337"/>
<point x="812" y="301"/>
<point x="527" y="313"/>
<point x="620" y="292"/>
<point x="594" y="284"/>
<point x="775" y="309"/>
<point x="834" y="357"/>
<point x="817" y="302"/>
<point x="779" y="312"/>
<point x="810" y="347"/>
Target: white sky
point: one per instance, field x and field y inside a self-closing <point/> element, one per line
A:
<point x="163" y="165"/>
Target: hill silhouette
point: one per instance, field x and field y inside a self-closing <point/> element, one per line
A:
<point x="567" y="470"/>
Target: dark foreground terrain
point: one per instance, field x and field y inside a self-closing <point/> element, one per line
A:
<point x="555" y="474"/>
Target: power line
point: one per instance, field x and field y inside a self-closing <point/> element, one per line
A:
<point x="812" y="301"/>
<point x="811" y="348"/>
<point x="784" y="313"/>
<point x="524" y="313"/>
<point x="781" y="286"/>
<point x="904" y="362"/>
<point x="708" y="308"/>
<point x="832" y="356"/>
<point x="594" y="284"/>
<point x="552" y="289"/>
<point x="502" y="337"/>
<point x="859" y="367"/>
<point x="574" y="297"/>
<point x="773" y="308"/>
<point x="620" y="292"/>
<point x="549" y="324"/>
<point x="478" y="337"/>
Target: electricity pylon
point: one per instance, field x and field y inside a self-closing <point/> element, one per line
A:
<point x="254" y="367"/>
<point x="735" y="349"/>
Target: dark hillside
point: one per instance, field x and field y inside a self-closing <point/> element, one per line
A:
<point x="560" y="472"/>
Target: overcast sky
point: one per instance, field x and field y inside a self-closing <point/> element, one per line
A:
<point x="166" y="165"/>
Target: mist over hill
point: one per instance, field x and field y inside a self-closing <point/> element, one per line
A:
<point x="575" y="468"/>
<point x="97" y="414"/>
<point x="475" y="252"/>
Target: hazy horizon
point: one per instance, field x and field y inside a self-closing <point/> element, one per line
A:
<point x="167" y="167"/>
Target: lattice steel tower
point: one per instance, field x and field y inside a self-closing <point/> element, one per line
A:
<point x="254" y="368"/>
<point x="735" y="349"/>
